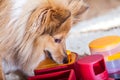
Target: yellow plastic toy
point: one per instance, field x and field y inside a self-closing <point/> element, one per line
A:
<point x="108" y="46"/>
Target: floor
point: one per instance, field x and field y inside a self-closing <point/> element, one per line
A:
<point x="79" y="42"/>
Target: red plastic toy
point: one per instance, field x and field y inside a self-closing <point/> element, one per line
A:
<point x="92" y="68"/>
<point x="87" y="68"/>
<point x="61" y="75"/>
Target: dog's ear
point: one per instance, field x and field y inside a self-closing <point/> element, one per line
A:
<point x="77" y="8"/>
<point x="59" y="16"/>
<point x="54" y="19"/>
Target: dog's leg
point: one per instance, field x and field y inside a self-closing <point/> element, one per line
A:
<point x="15" y="75"/>
<point x="11" y="72"/>
<point x="1" y="71"/>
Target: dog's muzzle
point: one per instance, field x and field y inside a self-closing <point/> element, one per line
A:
<point x="65" y="60"/>
<point x="48" y="53"/>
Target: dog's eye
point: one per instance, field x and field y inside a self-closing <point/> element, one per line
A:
<point x="57" y="40"/>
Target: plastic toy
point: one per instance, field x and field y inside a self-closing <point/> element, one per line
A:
<point x="109" y="47"/>
<point x="61" y="75"/>
<point x="115" y="75"/>
<point x="113" y="57"/>
<point x="86" y="68"/>
<point x="92" y="68"/>
<point x="69" y="55"/>
<point x="48" y="63"/>
<point x="48" y="67"/>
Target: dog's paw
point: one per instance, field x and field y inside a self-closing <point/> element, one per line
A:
<point x="12" y="76"/>
<point x="15" y="76"/>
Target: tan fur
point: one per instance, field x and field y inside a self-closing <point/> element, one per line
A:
<point x="24" y="40"/>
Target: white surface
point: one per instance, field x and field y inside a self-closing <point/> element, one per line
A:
<point x="86" y="31"/>
<point x="109" y="20"/>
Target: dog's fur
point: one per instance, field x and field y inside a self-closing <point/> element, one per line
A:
<point x="30" y="29"/>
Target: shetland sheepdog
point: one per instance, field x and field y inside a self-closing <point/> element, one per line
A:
<point x="31" y="30"/>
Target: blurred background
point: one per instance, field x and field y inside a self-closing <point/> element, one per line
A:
<point x="101" y="19"/>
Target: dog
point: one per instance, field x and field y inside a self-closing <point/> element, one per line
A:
<point x="31" y="30"/>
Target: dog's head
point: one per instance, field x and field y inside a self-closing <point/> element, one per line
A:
<point x="51" y="23"/>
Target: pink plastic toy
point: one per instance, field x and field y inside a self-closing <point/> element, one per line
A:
<point x="92" y="68"/>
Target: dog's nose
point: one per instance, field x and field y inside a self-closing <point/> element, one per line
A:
<point x="65" y="60"/>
